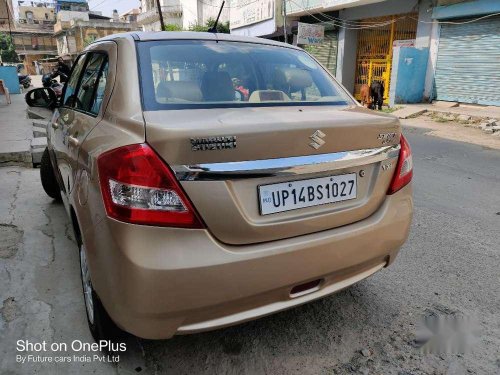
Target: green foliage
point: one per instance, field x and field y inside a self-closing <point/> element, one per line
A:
<point x="222" y="27"/>
<point x="7" y="49"/>
<point x="89" y="39"/>
<point x="199" y="28"/>
<point x="172" y="27"/>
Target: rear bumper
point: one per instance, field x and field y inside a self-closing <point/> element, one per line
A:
<point x="158" y="282"/>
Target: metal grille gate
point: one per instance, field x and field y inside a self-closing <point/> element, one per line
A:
<point x="374" y="54"/>
<point x="326" y="52"/>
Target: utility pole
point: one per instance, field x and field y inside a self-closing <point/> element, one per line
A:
<point x="8" y="20"/>
<point x="162" y="24"/>
<point x="285" y="34"/>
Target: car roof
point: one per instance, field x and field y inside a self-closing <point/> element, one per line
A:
<point x="192" y="35"/>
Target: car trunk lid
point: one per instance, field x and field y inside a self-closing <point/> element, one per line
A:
<point x="226" y="158"/>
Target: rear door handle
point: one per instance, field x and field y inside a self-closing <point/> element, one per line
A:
<point x="73" y="141"/>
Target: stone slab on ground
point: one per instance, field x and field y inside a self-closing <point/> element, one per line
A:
<point x="36" y="156"/>
<point x="37" y="148"/>
<point x="409" y="111"/>
<point x="15" y="152"/>
<point x="16" y="133"/>
<point x="40" y="142"/>
<point x="38" y="113"/>
<point x="443" y="104"/>
<point x="463" y="117"/>
<point x="40" y="124"/>
<point x="39" y="132"/>
<point x="474" y="111"/>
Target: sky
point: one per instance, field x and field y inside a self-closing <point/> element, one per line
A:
<point x="107" y="6"/>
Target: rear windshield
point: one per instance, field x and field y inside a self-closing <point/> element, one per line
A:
<point x="182" y="74"/>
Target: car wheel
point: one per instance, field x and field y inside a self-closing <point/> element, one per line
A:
<point x="100" y="324"/>
<point x="49" y="181"/>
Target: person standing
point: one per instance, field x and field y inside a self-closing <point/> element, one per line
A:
<point x="62" y="70"/>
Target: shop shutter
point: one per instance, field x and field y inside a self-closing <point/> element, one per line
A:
<point x="326" y="52"/>
<point x="468" y="64"/>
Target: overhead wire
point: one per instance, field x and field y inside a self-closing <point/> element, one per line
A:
<point x="229" y="7"/>
<point x="98" y="5"/>
<point x="341" y="25"/>
<point x="459" y="22"/>
<point x="354" y="25"/>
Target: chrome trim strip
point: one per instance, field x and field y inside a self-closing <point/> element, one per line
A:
<point x="295" y="165"/>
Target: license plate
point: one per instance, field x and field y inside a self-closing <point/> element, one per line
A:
<point x="293" y="195"/>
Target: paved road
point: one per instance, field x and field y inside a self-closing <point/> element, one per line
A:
<point x="450" y="265"/>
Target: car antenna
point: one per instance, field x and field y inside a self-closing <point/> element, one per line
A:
<point x="213" y="29"/>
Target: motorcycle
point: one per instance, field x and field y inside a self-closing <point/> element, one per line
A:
<point x="49" y="82"/>
<point x="24" y="80"/>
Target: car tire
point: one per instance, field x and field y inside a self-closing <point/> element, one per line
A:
<point x="49" y="181"/>
<point x="100" y="324"/>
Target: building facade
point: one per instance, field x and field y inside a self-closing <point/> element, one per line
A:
<point x="421" y="50"/>
<point x="73" y="31"/>
<point x="6" y="16"/>
<point x="32" y="45"/>
<point x="32" y="34"/>
<point x="39" y="14"/>
<point x="172" y="11"/>
<point x="72" y="5"/>
<point x="130" y="16"/>
<point x="181" y="13"/>
<point x="360" y="36"/>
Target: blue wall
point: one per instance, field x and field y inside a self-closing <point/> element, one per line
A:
<point x="408" y="75"/>
<point x="9" y="76"/>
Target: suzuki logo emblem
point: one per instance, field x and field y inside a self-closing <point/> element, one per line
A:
<point x="317" y="139"/>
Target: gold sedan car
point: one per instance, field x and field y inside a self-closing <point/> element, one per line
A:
<point x="213" y="179"/>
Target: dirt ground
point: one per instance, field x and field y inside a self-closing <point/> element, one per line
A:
<point x="449" y="267"/>
<point x="454" y="131"/>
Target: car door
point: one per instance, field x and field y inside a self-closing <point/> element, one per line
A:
<point x="86" y="105"/>
<point x="61" y="121"/>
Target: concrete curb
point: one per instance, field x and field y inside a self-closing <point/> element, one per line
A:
<point x="26" y="150"/>
<point x="16" y="153"/>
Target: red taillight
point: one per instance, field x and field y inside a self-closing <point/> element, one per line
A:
<point x="404" y="169"/>
<point x="139" y="188"/>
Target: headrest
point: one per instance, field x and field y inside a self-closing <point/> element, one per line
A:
<point x="292" y="79"/>
<point x="183" y="90"/>
<point x="217" y="87"/>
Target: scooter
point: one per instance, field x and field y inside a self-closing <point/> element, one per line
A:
<point x="49" y="82"/>
<point x="24" y="80"/>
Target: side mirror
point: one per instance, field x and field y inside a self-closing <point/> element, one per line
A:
<point x="41" y="97"/>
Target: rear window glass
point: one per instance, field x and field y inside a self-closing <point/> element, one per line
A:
<point x="210" y="74"/>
